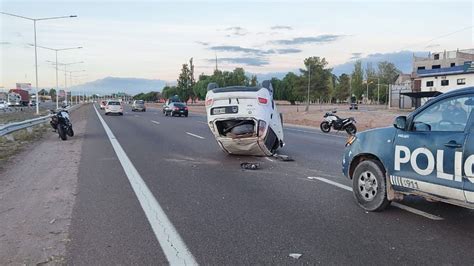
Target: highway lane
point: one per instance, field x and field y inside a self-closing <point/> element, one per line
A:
<point x="227" y="215"/>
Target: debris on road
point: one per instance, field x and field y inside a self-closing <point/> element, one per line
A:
<point x="284" y="158"/>
<point x="250" y="166"/>
<point x="295" y="255"/>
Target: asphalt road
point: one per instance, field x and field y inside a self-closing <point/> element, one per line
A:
<point x="222" y="214"/>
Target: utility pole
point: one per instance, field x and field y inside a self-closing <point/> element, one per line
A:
<point x="309" y="84"/>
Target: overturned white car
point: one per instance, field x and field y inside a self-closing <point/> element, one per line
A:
<point x="244" y="120"/>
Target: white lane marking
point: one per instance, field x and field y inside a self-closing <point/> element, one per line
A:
<point x="268" y="159"/>
<point x="194" y="135"/>
<point x="155" y="122"/>
<point x="312" y="132"/>
<point x="202" y="122"/>
<point x="170" y="241"/>
<point x="394" y="204"/>
<point x="136" y="115"/>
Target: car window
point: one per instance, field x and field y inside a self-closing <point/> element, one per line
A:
<point x="178" y="104"/>
<point x="451" y="114"/>
<point x="113" y="103"/>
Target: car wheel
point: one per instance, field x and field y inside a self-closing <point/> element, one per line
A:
<point x="186" y="115"/>
<point x="106" y="113"/>
<point x="120" y="113"/>
<point x="325" y="127"/>
<point x="369" y="186"/>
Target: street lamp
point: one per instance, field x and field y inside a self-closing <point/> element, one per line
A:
<point x="65" y="73"/>
<point x="57" y="82"/>
<point x="36" y="53"/>
<point x="70" y="80"/>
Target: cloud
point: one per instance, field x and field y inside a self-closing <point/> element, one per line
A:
<point x="249" y="61"/>
<point x="238" y="31"/>
<point x="257" y="52"/>
<point x="355" y="56"/>
<point x="232" y="48"/>
<point x="281" y="27"/>
<point x="325" y="38"/>
<point x="202" y="43"/>
<point x="432" y="46"/>
<point x="289" y="51"/>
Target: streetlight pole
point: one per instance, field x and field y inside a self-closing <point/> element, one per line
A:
<point x="65" y="74"/>
<point x="36" y="53"/>
<point x="57" y="81"/>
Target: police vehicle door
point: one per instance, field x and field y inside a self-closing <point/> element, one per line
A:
<point x="429" y="155"/>
<point x="468" y="164"/>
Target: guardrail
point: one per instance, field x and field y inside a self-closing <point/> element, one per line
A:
<point x="15" y="126"/>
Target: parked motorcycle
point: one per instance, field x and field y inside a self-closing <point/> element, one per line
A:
<point x="331" y="120"/>
<point x="61" y="123"/>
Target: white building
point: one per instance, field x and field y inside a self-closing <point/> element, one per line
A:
<point x="447" y="79"/>
<point x="444" y="71"/>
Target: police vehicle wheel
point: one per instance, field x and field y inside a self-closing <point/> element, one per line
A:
<point x="369" y="186"/>
<point x="325" y="127"/>
<point x="351" y="129"/>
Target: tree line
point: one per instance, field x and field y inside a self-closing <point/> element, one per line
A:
<point x="324" y="86"/>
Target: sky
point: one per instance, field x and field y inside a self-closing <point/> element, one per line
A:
<point x="152" y="39"/>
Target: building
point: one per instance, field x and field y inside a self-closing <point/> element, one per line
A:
<point x="443" y="72"/>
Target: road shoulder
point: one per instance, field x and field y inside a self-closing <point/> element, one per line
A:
<point x="37" y="193"/>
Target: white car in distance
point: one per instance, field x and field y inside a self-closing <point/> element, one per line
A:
<point x="113" y="107"/>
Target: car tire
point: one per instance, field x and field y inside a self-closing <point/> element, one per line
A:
<point x="120" y="113"/>
<point x="186" y="115"/>
<point x="369" y="186"/>
<point x="325" y="127"/>
<point x="106" y="113"/>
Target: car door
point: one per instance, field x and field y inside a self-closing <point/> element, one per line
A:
<point x="468" y="160"/>
<point x="428" y="156"/>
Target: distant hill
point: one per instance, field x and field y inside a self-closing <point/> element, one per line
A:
<point x="130" y="86"/>
<point x="402" y="60"/>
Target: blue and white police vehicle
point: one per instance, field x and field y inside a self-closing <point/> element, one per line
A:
<point x="429" y="153"/>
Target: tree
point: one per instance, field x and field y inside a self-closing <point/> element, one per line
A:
<point x="320" y="78"/>
<point x="52" y="93"/>
<point x="357" y="80"/>
<point x="169" y="91"/>
<point x="184" y="83"/>
<point x="43" y="92"/>
<point x="387" y="73"/>
<point x="192" y="80"/>
<point x="342" y="91"/>
<point x="253" y="81"/>
<point x="291" y="83"/>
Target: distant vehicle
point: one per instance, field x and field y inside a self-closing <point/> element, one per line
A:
<point x="32" y="103"/>
<point x="244" y="120"/>
<point x="353" y="105"/>
<point x="24" y="97"/>
<point x="173" y="99"/>
<point x="177" y="109"/>
<point x="331" y="120"/>
<point x="138" y="105"/>
<point x="102" y="105"/>
<point x="3" y="104"/>
<point x="429" y="153"/>
<point x="114" y="107"/>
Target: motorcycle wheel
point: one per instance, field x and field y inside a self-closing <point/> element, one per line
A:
<point x="62" y="132"/>
<point x="351" y="129"/>
<point x="70" y="132"/>
<point x="325" y="127"/>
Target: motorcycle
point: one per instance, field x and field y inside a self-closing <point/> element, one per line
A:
<point x="331" y="120"/>
<point x="61" y="123"/>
